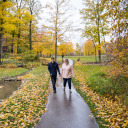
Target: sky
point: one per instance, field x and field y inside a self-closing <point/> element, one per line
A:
<point x="76" y="18"/>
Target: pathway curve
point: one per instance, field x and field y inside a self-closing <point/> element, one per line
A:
<point x="67" y="110"/>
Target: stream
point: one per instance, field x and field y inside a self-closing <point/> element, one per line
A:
<point x="7" y="88"/>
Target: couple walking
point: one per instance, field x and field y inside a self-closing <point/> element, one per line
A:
<point x="67" y="73"/>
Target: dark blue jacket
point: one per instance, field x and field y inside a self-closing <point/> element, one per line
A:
<point x="53" y="67"/>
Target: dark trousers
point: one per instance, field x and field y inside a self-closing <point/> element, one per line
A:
<point x="53" y="78"/>
<point x="65" y="80"/>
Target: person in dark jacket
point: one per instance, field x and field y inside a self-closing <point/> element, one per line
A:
<point x="53" y="68"/>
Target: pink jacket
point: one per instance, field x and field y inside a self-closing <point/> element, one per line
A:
<point x="67" y="71"/>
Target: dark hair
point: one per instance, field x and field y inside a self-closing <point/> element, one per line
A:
<point x="52" y="58"/>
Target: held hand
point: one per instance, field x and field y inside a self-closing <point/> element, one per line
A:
<point x="60" y="75"/>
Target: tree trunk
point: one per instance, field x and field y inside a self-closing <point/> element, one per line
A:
<point x="12" y="48"/>
<point x="95" y="51"/>
<point x="56" y="30"/>
<point x="105" y="44"/>
<point x="56" y="46"/>
<point x="98" y="30"/>
<point x="62" y="58"/>
<point x="12" y="43"/>
<point x="30" y="34"/>
<point x="1" y="42"/>
<point x="1" y="38"/>
<point x="18" y="43"/>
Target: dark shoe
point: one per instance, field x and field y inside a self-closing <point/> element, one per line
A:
<point x="54" y="91"/>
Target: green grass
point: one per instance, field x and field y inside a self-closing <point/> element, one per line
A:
<point x="83" y="59"/>
<point x="13" y="61"/>
<point x="27" y="105"/>
<point x="100" y="82"/>
<point x="9" y="72"/>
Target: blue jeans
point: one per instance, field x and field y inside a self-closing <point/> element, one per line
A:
<point x="53" y="78"/>
<point x="65" y="80"/>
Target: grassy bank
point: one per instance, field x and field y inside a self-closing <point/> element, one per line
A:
<point x="9" y="72"/>
<point x="25" y="107"/>
<point x="103" y="94"/>
<point x="83" y="59"/>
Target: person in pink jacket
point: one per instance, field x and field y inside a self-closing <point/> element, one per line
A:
<point x="67" y="74"/>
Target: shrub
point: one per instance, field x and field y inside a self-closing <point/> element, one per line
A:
<point x="8" y="66"/>
<point x="44" y="61"/>
<point x="99" y="82"/>
<point x="30" y="65"/>
<point x="109" y="86"/>
<point x="6" y="55"/>
<point x="29" y="56"/>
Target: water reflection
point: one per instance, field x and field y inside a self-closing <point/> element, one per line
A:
<point x="6" y="88"/>
<point x="67" y="99"/>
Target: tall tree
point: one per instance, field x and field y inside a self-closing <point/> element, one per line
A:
<point x="90" y="32"/>
<point x="98" y="28"/>
<point x="3" y="6"/>
<point x="34" y="8"/>
<point x="93" y="14"/>
<point x="20" y="8"/>
<point x="19" y="20"/>
<point x="59" y="20"/>
<point x="118" y="48"/>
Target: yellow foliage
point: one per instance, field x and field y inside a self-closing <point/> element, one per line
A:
<point x="65" y="48"/>
<point x="89" y="48"/>
<point x="27" y="104"/>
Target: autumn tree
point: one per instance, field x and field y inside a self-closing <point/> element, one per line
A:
<point x="90" y="32"/>
<point x="34" y="8"/>
<point x="118" y="48"/>
<point x="19" y="11"/>
<point x="17" y="37"/>
<point x="89" y="48"/>
<point x="4" y="5"/>
<point x="43" y="43"/>
<point x="65" y="48"/>
<point x="58" y="20"/>
<point x="93" y="18"/>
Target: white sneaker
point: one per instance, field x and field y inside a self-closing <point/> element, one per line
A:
<point x="70" y="91"/>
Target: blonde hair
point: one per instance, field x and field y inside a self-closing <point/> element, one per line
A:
<point x="67" y="61"/>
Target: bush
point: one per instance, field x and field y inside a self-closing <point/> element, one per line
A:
<point x="29" y="56"/>
<point x="8" y="66"/>
<point x="6" y="55"/>
<point x="30" y="65"/>
<point x="109" y="86"/>
<point x="44" y="61"/>
<point x="99" y="83"/>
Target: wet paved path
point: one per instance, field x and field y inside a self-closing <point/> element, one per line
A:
<point x="67" y="110"/>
